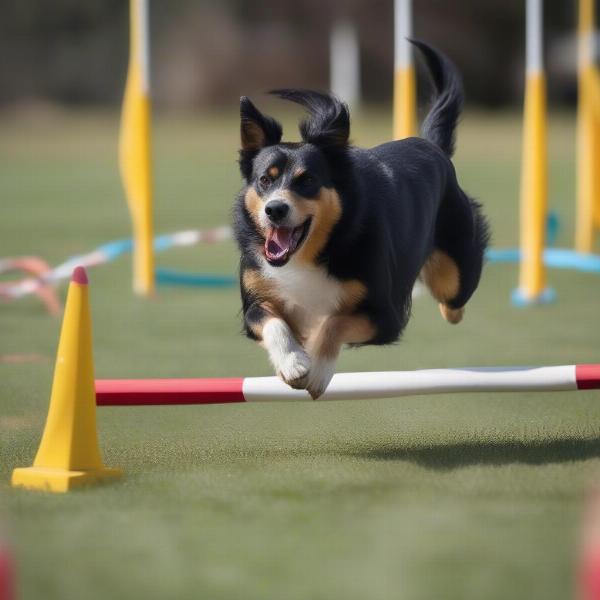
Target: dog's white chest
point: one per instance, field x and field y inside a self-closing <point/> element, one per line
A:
<point x="306" y="289"/>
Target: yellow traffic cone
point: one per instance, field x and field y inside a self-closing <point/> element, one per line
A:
<point x="69" y="455"/>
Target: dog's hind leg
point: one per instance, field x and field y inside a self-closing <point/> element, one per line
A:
<point x="442" y="276"/>
<point x="453" y="269"/>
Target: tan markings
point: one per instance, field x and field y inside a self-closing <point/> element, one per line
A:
<point x="452" y="315"/>
<point x="271" y="312"/>
<point x="298" y="172"/>
<point x="353" y="292"/>
<point x="442" y="277"/>
<point x="264" y="290"/>
<point x="253" y="204"/>
<point x="259" y="286"/>
<point x="339" y="330"/>
<point x="274" y="172"/>
<point x="326" y="210"/>
<point x="253" y="137"/>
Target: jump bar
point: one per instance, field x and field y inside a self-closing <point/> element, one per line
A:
<point x="348" y="386"/>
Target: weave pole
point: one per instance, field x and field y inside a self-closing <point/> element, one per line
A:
<point x="348" y="386"/>
<point x="344" y="62"/>
<point x="588" y="135"/>
<point x="135" y="160"/>
<point x="404" y="72"/>
<point x="534" y="170"/>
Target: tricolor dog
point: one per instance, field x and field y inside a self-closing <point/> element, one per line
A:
<point x="333" y="237"/>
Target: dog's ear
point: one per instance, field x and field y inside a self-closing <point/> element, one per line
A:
<point x="257" y="131"/>
<point x="328" y="123"/>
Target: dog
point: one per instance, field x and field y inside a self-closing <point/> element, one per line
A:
<point x="333" y="237"/>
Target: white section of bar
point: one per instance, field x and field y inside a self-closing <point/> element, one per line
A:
<point x="144" y="44"/>
<point x="402" y="30"/>
<point x="392" y="384"/>
<point x="345" y="62"/>
<point x="534" y="37"/>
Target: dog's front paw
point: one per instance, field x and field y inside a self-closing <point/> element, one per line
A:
<point x="319" y="377"/>
<point x="294" y="369"/>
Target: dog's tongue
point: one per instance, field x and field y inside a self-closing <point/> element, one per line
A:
<point x="278" y="242"/>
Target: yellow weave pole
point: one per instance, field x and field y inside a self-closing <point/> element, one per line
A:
<point x="405" y="111"/>
<point x="534" y="175"/>
<point x="595" y="102"/>
<point x="135" y="158"/>
<point x="588" y="174"/>
<point x="534" y="188"/>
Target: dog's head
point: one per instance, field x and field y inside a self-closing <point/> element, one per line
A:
<point x="290" y="195"/>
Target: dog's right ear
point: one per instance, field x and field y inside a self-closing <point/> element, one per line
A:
<point x="257" y="131"/>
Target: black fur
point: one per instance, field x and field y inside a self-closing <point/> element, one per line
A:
<point x="400" y="201"/>
<point x="439" y="126"/>
<point x="328" y="126"/>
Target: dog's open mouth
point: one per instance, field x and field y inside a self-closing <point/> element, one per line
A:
<point x="282" y="242"/>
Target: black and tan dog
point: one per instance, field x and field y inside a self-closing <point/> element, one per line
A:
<point x="333" y="237"/>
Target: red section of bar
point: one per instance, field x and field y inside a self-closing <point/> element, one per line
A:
<point x="588" y="377"/>
<point x="146" y="392"/>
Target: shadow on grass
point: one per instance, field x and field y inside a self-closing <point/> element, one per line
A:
<point x="445" y="457"/>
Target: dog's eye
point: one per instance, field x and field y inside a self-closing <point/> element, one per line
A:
<point x="306" y="180"/>
<point x="265" y="181"/>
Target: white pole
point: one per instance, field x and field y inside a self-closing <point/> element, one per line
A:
<point x="348" y="386"/>
<point x="144" y="45"/>
<point x="393" y="384"/>
<point x="402" y="31"/>
<point x="534" y="37"/>
<point x="345" y="62"/>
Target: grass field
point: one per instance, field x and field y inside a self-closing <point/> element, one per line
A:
<point x="454" y="497"/>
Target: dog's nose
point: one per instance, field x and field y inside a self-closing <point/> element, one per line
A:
<point x="276" y="210"/>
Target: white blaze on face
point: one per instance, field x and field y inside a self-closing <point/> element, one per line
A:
<point x="294" y="218"/>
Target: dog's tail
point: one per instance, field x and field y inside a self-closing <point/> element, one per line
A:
<point x="440" y="123"/>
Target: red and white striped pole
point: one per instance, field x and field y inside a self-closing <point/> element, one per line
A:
<point x="348" y="386"/>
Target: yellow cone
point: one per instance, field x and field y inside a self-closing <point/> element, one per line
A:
<point x="69" y="455"/>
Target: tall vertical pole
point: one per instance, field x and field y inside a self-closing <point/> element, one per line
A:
<point x="135" y="158"/>
<point x="534" y="175"/>
<point x="404" y="72"/>
<point x="588" y="176"/>
<point x="344" y="64"/>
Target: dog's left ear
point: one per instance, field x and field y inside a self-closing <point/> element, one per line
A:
<point x="257" y="129"/>
<point x="328" y="123"/>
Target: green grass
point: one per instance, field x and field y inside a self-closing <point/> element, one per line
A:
<point x="454" y="497"/>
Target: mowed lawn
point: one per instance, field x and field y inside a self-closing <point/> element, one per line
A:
<point x="455" y="497"/>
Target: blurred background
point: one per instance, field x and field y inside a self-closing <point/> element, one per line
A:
<point x="455" y="497"/>
<point x="207" y="52"/>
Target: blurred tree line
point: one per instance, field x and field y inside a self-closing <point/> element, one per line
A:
<point x="205" y="52"/>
